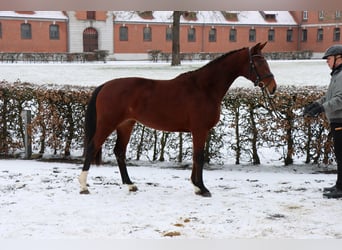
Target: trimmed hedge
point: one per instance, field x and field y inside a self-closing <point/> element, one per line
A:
<point x="247" y="126"/>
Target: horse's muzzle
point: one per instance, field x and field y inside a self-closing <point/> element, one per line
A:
<point x="270" y="86"/>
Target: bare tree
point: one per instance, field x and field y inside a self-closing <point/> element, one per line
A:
<point x="175" y="38"/>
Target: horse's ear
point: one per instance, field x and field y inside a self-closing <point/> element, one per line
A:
<point x="257" y="48"/>
<point x="261" y="46"/>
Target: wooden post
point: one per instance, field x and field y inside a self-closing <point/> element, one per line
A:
<point x="26" y="115"/>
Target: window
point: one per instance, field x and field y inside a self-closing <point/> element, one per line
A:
<point x="320" y="35"/>
<point x="271" y="35"/>
<point x="123" y="33"/>
<point x="304" y="35"/>
<point x="168" y="35"/>
<point x="230" y="15"/>
<point x="321" y="15"/>
<point x="252" y="35"/>
<point x="54" y="32"/>
<point x="269" y="16"/>
<point x="191" y="35"/>
<point x="26" y="32"/>
<point x="232" y="35"/>
<point x="305" y="15"/>
<point x="337" y="34"/>
<point x="0" y="30"/>
<point x="212" y="35"/>
<point x="289" y="35"/>
<point x="147" y="34"/>
<point x="91" y="15"/>
<point x="338" y="15"/>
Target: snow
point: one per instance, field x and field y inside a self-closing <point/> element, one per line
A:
<point x="298" y="73"/>
<point x="209" y="17"/>
<point x="41" y="200"/>
<point x="36" y="15"/>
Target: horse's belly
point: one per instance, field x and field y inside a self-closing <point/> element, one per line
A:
<point x="169" y="125"/>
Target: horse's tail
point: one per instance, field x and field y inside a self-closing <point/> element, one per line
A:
<point x="90" y="125"/>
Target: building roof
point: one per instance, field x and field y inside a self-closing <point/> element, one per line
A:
<point x="194" y="17"/>
<point x="209" y="17"/>
<point x="49" y="15"/>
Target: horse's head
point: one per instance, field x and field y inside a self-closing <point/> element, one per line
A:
<point x="259" y="71"/>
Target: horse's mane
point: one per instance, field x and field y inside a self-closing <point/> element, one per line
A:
<point x="218" y="59"/>
<point x="214" y="61"/>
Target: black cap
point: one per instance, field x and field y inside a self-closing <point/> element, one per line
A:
<point x="333" y="51"/>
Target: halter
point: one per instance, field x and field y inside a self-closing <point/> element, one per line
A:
<point x="259" y="82"/>
<point x="253" y="69"/>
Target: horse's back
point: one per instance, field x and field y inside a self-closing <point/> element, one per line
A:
<point x="129" y="84"/>
<point x="118" y="96"/>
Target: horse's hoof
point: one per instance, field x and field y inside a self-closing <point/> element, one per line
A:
<point x="84" y="192"/>
<point x="132" y="188"/>
<point x="203" y="193"/>
<point x="206" y="194"/>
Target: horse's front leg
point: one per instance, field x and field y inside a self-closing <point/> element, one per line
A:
<point x="197" y="166"/>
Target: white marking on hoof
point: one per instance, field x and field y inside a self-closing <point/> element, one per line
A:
<point x="83" y="182"/>
<point x="132" y="188"/>
<point x="197" y="190"/>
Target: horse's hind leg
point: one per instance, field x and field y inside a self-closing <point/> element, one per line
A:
<point x="86" y="165"/>
<point x="90" y="154"/>
<point x="124" y="131"/>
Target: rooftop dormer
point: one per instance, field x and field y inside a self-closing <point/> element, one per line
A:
<point x="269" y="16"/>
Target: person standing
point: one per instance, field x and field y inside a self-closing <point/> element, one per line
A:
<point x="331" y="105"/>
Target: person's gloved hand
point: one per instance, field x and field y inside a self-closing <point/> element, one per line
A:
<point x="313" y="109"/>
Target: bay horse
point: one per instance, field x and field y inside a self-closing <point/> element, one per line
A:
<point x="188" y="103"/>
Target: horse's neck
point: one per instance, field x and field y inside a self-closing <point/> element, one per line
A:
<point x="220" y="76"/>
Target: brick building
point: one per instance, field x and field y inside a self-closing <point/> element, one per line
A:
<point x="132" y="34"/>
<point x="203" y="31"/>
<point x="33" y="31"/>
<point x="317" y="30"/>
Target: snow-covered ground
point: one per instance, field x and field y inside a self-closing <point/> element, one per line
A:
<point x="300" y="72"/>
<point x="41" y="200"/>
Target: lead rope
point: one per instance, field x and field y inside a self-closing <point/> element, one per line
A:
<point x="270" y="105"/>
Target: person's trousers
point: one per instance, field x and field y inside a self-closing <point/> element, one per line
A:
<point x="336" y="131"/>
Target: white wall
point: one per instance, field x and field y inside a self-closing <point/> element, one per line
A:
<point x="104" y="29"/>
